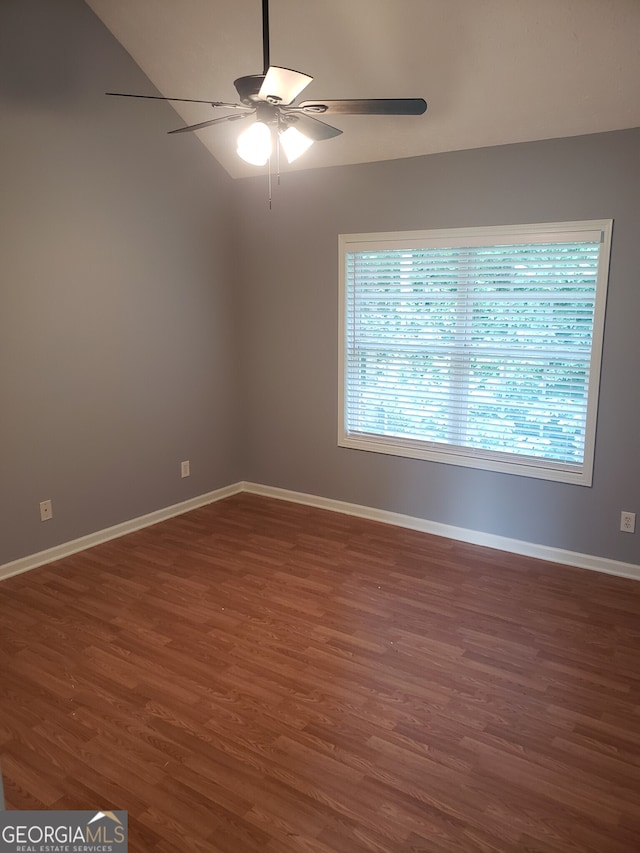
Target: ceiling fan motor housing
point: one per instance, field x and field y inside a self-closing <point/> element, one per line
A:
<point x="248" y="88"/>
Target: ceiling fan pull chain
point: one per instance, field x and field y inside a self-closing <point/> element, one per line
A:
<point x="278" y="149"/>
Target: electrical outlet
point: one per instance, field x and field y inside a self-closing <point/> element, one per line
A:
<point x="185" y="469"/>
<point x="46" y="510"/>
<point x="628" y="522"/>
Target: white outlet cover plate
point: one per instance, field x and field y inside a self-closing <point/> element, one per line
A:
<point x="628" y="522"/>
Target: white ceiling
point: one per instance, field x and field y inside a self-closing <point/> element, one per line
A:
<point x="492" y="71"/>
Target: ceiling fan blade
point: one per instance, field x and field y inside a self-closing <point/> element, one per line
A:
<point x="283" y="85"/>
<point x="184" y="100"/>
<point x="315" y="129"/>
<point x="366" y="107"/>
<point x="202" y="124"/>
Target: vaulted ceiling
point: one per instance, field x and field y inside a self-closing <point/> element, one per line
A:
<point x="492" y="71"/>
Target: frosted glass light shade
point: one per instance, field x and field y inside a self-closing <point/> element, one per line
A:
<point x="294" y="143"/>
<point x="254" y="144"/>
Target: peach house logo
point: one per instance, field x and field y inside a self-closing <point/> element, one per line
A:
<point x="63" y="832"/>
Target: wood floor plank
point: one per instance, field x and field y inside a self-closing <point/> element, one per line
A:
<point x="262" y="676"/>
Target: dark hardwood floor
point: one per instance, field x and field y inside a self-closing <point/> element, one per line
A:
<point x="262" y="676"/>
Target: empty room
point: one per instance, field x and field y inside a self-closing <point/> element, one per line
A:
<point x="319" y="424"/>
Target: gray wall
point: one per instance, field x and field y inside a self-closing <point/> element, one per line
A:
<point x="116" y="314"/>
<point x="152" y="310"/>
<point x="289" y="332"/>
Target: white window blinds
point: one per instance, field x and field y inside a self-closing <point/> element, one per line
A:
<point x="476" y="347"/>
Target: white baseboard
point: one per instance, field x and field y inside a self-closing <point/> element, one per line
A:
<point x="25" y="564"/>
<point x="475" y="537"/>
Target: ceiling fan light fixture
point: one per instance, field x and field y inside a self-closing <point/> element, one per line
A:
<point x="294" y="143"/>
<point x="254" y="144"/>
<point x="270" y="98"/>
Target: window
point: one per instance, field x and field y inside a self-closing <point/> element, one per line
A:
<point x="477" y="347"/>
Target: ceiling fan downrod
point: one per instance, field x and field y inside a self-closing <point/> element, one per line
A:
<point x="249" y="85"/>
<point x="265" y="36"/>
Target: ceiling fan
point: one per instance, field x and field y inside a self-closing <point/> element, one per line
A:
<point x="270" y="98"/>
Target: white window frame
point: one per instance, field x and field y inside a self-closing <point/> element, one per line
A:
<point x="485" y="236"/>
